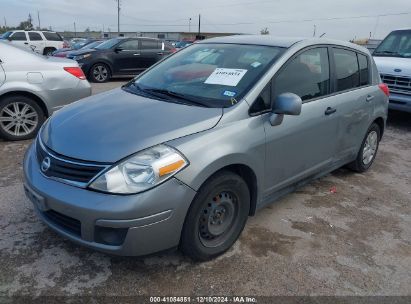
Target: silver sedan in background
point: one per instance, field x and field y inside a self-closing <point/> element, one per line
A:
<point x="32" y="87"/>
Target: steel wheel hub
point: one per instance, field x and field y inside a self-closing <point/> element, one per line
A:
<point x="18" y="119"/>
<point x="217" y="217"/>
<point x="370" y="147"/>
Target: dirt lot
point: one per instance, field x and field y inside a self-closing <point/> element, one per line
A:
<point x="356" y="241"/>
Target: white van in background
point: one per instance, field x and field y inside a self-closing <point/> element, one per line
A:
<point x="393" y="59"/>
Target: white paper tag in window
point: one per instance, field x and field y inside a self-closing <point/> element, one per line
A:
<point x="227" y="77"/>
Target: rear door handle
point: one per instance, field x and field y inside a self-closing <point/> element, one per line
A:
<point x="369" y="98"/>
<point x="330" y="111"/>
<point x="136" y="54"/>
<point x="159" y="53"/>
<point x="26" y="43"/>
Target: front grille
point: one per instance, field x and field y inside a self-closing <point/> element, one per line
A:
<point x="397" y="84"/>
<point x="64" y="222"/>
<point x="65" y="168"/>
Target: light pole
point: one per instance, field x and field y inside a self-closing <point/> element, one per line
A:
<point x="118" y="17"/>
<point x="189" y="25"/>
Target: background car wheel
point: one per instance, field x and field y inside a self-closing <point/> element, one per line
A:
<point x="99" y="73"/>
<point x="20" y="118"/>
<point x="216" y="217"/>
<point x="48" y="51"/>
<point x="368" y="150"/>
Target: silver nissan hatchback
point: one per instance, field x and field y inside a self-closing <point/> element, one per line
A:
<point x="184" y="153"/>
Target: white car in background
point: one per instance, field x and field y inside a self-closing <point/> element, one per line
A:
<point x="42" y="42"/>
<point x="32" y="87"/>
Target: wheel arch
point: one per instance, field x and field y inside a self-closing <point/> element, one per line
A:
<point x="31" y="95"/>
<point x="380" y="122"/>
<point x="245" y="172"/>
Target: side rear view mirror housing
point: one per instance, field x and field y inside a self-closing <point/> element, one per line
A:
<point x="118" y="49"/>
<point x="287" y="104"/>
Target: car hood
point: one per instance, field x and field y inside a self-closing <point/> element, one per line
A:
<point x="81" y="52"/>
<point x="115" y="124"/>
<point x="393" y="65"/>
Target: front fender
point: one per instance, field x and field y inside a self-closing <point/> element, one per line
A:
<point x="238" y="143"/>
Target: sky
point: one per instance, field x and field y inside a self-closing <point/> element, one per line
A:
<point x="338" y="19"/>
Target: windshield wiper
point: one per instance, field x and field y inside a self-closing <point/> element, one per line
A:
<point x="175" y="95"/>
<point x="385" y="53"/>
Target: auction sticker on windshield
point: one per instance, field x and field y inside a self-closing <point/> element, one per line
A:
<point x="227" y="77"/>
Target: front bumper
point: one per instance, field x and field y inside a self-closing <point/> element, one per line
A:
<point x="129" y="225"/>
<point x="400" y="102"/>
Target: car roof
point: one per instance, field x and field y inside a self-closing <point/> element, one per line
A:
<point x="286" y="42"/>
<point x="254" y="39"/>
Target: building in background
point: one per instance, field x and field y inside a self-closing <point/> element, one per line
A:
<point x="168" y="36"/>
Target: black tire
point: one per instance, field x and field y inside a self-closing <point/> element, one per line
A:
<point x="222" y="191"/>
<point x="48" y="51"/>
<point x="32" y="119"/>
<point x="359" y="164"/>
<point x="99" y="73"/>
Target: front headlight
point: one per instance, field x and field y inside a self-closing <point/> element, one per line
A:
<point x="142" y="171"/>
<point x="80" y="57"/>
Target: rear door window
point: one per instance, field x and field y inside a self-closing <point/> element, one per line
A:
<point x="130" y="45"/>
<point x="18" y="36"/>
<point x="307" y="75"/>
<point x="147" y="44"/>
<point x="346" y="69"/>
<point x="35" y="36"/>
<point x="364" y="71"/>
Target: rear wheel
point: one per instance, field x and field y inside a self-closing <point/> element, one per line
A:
<point x="99" y="73"/>
<point x="20" y="117"/>
<point x="216" y="217"/>
<point x="48" y="51"/>
<point x="368" y="150"/>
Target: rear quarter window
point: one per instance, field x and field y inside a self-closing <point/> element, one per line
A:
<point x="52" y="36"/>
<point x="364" y="70"/>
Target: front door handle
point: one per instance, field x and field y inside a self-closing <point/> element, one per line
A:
<point x="369" y="98"/>
<point x="26" y="43"/>
<point x="330" y="111"/>
<point x="136" y="54"/>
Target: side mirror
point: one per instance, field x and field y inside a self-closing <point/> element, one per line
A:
<point x="118" y="49"/>
<point x="9" y="38"/>
<point x="287" y="104"/>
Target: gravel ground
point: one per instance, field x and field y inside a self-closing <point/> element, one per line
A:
<point x="356" y="241"/>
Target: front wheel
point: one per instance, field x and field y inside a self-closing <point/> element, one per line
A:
<point x="368" y="150"/>
<point x="100" y="73"/>
<point x="216" y="217"/>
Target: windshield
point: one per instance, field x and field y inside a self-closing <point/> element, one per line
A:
<point x="5" y="35"/>
<point x="182" y="44"/>
<point x="78" y="45"/>
<point x="108" y="44"/>
<point x="92" y="45"/>
<point x="396" y="44"/>
<point x="213" y="75"/>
